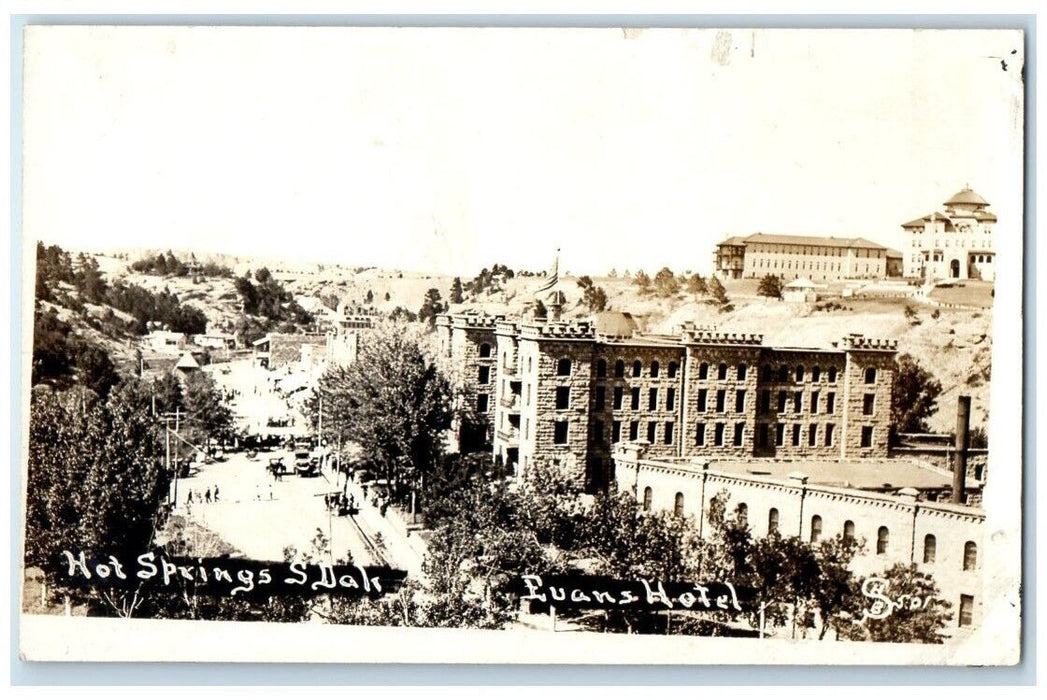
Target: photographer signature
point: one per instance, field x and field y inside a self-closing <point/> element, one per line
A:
<point x="884" y="605"/>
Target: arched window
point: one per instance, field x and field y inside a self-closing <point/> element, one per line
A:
<point x="832" y="375"/>
<point x="619" y="368"/>
<point x="485" y="350"/>
<point x="772" y="521"/>
<point x="563" y="367"/>
<point x="848" y="530"/>
<point x="648" y="495"/>
<point x="970" y="556"/>
<point x="637" y="368"/>
<point x="678" y="505"/>
<point x="742" y="513"/>
<point x="783" y="374"/>
<point x="703" y="370"/>
<point x="601" y="368"/>
<point x="930" y="549"/>
<point x="673" y="367"/>
<point x="870" y="375"/>
<point x="767" y="373"/>
<point x="799" y="373"/>
<point x="742" y="370"/>
<point x="883" y="537"/>
<point x="654" y="369"/>
<point x="816" y="373"/>
<point x="722" y="371"/>
<point x="816" y="528"/>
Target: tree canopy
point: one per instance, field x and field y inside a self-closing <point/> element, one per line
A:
<point x="914" y="396"/>
<point x="770" y="286"/>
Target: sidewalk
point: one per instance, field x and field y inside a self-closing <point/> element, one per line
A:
<point x="404" y="551"/>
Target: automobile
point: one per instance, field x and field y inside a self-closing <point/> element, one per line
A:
<point x="276" y="465"/>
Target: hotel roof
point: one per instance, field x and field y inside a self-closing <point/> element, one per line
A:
<point x="875" y="475"/>
<point x="823" y="241"/>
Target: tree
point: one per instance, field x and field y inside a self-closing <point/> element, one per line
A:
<point x="837" y="594"/>
<point x="387" y="296"/>
<point x="392" y="402"/>
<point x="540" y="312"/>
<point x="207" y="415"/>
<point x="95" y="481"/>
<point x="595" y="298"/>
<point x="641" y="280"/>
<point x="920" y="617"/>
<point x="665" y="283"/>
<point x="369" y="298"/>
<point x="717" y="291"/>
<point x="770" y="286"/>
<point x="456" y="291"/>
<point x="696" y="285"/>
<point x="914" y="396"/>
<point x="431" y="307"/>
<point x="96" y="371"/>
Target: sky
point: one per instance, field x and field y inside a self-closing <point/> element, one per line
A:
<point x="447" y="150"/>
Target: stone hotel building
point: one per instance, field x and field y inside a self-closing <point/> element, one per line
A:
<point x="816" y="258"/>
<point x="569" y="391"/>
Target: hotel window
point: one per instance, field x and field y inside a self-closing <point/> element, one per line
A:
<point x="742" y="371"/>
<point x="703" y="395"/>
<point x="560" y="432"/>
<point x="619" y="368"/>
<point x="797" y="401"/>
<point x="483" y="374"/>
<point x="781" y="401"/>
<point x="601" y="368"/>
<point x="616" y="431"/>
<point x="741" y="514"/>
<point x="772" y="521"/>
<point x="721" y="400"/>
<point x="598" y="430"/>
<point x="763" y="435"/>
<point x="783" y="374"/>
<point x="868" y="404"/>
<point x="848" y="530"/>
<point x="814" y="402"/>
<point x="799" y="373"/>
<point x="670" y="399"/>
<point x="699" y="434"/>
<point x="481" y="403"/>
<point x="678" y="505"/>
<point x="765" y="401"/>
<point x="527" y="393"/>
<point x="634" y="398"/>
<point x="832" y="375"/>
<point x="721" y="371"/>
<point x="618" y="391"/>
<point x="563" y="367"/>
<point x="634" y="430"/>
<point x="767" y="373"/>
<point x="601" y="397"/>
<point x="637" y="368"/>
<point x="870" y="375"/>
<point x="796" y="434"/>
<point x="718" y="435"/>
<point x="829" y="434"/>
<point x="812" y="434"/>
<point x="563" y="397"/>
<point x="883" y="537"/>
<point x="485" y="350"/>
<point x="654" y="370"/>
<point x="816" y="528"/>
<point x="830" y="402"/>
<point x="966" y="610"/>
<point x="867" y="436"/>
<point x="930" y="549"/>
<point x="703" y="370"/>
<point x="970" y="556"/>
<point x="652" y="400"/>
<point x="652" y="432"/>
<point x="647" y="498"/>
<point x="527" y="428"/>
<point x="739" y="401"/>
<point x="668" y="436"/>
<point x="739" y="434"/>
<point x="779" y="434"/>
<point x="673" y="367"/>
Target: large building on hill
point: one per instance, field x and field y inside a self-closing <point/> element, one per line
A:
<point x="816" y="258"/>
<point x="954" y="244"/>
<point x="569" y="391"/>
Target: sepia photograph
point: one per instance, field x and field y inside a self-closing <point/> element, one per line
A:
<point x="521" y="345"/>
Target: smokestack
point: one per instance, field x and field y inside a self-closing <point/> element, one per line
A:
<point x="959" y="467"/>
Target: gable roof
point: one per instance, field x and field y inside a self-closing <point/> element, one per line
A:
<point x="823" y="241"/>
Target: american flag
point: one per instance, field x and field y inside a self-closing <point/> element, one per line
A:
<point x="551" y="277"/>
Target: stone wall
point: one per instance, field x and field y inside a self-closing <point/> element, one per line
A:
<point x="696" y="418"/>
<point x="855" y="390"/>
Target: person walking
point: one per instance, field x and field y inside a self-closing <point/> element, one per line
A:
<point x="207" y="496"/>
<point x="216" y="493"/>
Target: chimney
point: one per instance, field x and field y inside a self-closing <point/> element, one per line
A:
<point x="959" y="467"/>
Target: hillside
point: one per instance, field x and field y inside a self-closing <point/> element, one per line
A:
<point x="955" y="346"/>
